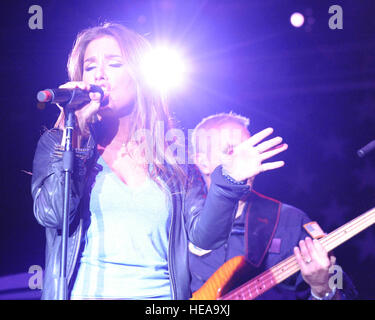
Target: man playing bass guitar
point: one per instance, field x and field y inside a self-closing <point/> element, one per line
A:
<point x="265" y="231"/>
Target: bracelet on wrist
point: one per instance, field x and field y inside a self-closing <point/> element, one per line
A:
<point x="230" y="179"/>
<point x="327" y="296"/>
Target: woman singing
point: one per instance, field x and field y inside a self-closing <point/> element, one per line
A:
<point x="131" y="214"/>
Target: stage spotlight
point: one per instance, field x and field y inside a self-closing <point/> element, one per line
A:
<point x="297" y="19"/>
<point x="164" y="69"/>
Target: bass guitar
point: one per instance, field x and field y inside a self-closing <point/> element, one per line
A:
<point x="218" y="286"/>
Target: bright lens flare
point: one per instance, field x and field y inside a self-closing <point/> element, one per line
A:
<point x="164" y="69"/>
<point x="297" y="19"/>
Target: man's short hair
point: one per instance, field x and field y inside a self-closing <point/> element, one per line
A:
<point x="213" y="122"/>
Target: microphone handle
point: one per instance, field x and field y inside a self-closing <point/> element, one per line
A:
<point x="73" y="98"/>
<point x="366" y="149"/>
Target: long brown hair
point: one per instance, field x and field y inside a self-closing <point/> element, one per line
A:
<point x="150" y="106"/>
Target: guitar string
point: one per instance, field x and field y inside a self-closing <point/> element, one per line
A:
<point x="285" y="269"/>
<point x="290" y="265"/>
<point x="290" y="269"/>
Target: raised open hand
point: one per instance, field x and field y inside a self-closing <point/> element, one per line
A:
<point x="245" y="160"/>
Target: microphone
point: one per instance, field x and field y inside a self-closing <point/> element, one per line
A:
<point x="72" y="97"/>
<point x="366" y="149"/>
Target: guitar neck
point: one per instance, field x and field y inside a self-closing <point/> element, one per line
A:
<point x="284" y="269"/>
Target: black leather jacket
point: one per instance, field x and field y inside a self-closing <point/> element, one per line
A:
<point x="205" y="221"/>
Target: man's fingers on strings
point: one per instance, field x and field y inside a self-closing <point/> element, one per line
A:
<point x="312" y="250"/>
<point x="306" y="254"/>
<point x="321" y="252"/>
<point x="300" y="260"/>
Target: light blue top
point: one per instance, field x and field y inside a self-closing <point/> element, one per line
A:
<point x="126" y="249"/>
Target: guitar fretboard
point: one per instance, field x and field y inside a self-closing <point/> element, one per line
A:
<point x="284" y="269"/>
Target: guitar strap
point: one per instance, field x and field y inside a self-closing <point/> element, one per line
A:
<point x="262" y="217"/>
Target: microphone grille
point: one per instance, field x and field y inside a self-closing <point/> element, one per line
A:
<point x="44" y="96"/>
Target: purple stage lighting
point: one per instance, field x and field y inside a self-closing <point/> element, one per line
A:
<point x="164" y="68"/>
<point x="297" y="19"/>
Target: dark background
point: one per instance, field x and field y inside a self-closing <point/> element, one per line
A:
<point x="314" y="85"/>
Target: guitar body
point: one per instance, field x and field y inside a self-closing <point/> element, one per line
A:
<point x="223" y="280"/>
